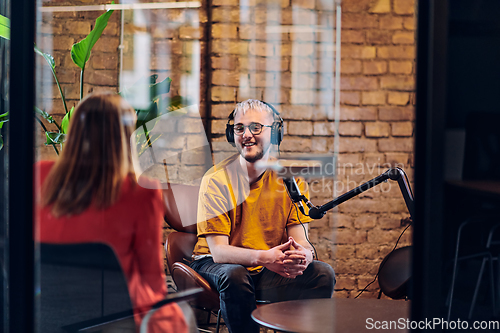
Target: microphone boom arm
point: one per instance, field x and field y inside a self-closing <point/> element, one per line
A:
<point x="393" y="173"/>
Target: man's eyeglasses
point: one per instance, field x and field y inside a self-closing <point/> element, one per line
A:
<point x="254" y="128"/>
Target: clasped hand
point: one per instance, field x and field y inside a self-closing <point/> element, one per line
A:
<point x="289" y="259"/>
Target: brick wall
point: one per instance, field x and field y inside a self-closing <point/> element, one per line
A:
<point x="283" y="51"/>
<point x="292" y="70"/>
<point x="376" y="131"/>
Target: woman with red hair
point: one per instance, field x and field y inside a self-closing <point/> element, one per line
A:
<point x="90" y="194"/>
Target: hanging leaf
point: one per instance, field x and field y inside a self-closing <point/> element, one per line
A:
<point x="54" y="138"/>
<point x="44" y="115"/>
<point x="3" y="118"/>
<point x="65" y="121"/>
<point x="52" y="64"/>
<point x="48" y="57"/>
<point x="80" y="52"/>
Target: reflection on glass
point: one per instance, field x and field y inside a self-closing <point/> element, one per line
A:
<point x="182" y="67"/>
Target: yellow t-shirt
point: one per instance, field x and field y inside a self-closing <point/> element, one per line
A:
<point x="253" y="216"/>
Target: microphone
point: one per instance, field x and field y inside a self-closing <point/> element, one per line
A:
<point x="294" y="192"/>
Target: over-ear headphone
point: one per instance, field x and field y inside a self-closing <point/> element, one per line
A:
<point x="276" y="129"/>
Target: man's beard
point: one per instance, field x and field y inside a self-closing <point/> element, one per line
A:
<point x="256" y="157"/>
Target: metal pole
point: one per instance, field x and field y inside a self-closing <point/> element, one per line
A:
<point x="20" y="171"/>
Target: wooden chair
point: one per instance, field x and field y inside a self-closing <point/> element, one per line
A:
<point x="179" y="246"/>
<point x="82" y="286"/>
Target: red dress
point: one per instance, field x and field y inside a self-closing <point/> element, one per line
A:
<point x="132" y="227"/>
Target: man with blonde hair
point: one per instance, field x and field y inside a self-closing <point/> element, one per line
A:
<point x="252" y="241"/>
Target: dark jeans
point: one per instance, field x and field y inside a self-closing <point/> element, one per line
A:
<point x="239" y="289"/>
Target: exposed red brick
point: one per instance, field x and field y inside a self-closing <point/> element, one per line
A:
<point x="221" y="30"/>
<point x="350" y="236"/>
<point x="350" y="128"/>
<point x="403" y="38"/>
<point x="350" y="66"/>
<point x="345" y="282"/>
<point x="353" y="36"/>
<point x="365" y="222"/>
<point x="396" y="144"/>
<point x="300" y="128"/>
<point x="374" y="67"/>
<point x="102" y="61"/>
<point x="401" y="83"/>
<point x="225" y="78"/>
<point x="380" y="6"/>
<point x="373" y="97"/>
<point x="102" y="78"/>
<point x="409" y="23"/>
<point x="224" y="62"/>
<point x="358" y="52"/>
<point x="400" y="67"/>
<point x="356" y="6"/>
<point x="221" y="94"/>
<point x="404" y="7"/>
<point x="350" y="98"/>
<point x="377" y="130"/>
<point x="398" y="98"/>
<point x="358" y="83"/>
<point x="358" y="21"/>
<point x="397" y="158"/>
<point x="294" y="144"/>
<point x="357" y="113"/>
<point x="388" y="22"/>
<point x="396" y="52"/>
<point x="379" y="36"/>
<point x="366" y="251"/>
<point x="225" y="15"/>
<point x="225" y="2"/>
<point x="352" y="145"/>
<point x="402" y="128"/>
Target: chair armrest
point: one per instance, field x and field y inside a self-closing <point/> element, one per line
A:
<point x="170" y="298"/>
<point x="185" y="277"/>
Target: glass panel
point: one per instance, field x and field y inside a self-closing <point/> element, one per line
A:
<point x="183" y="66"/>
<point x="4" y="163"/>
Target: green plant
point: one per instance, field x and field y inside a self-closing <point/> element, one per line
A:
<point x="80" y="54"/>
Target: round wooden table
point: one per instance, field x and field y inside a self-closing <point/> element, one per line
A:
<point x="333" y="315"/>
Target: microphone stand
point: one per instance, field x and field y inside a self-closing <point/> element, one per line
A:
<point x="398" y="267"/>
<point x="393" y="174"/>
